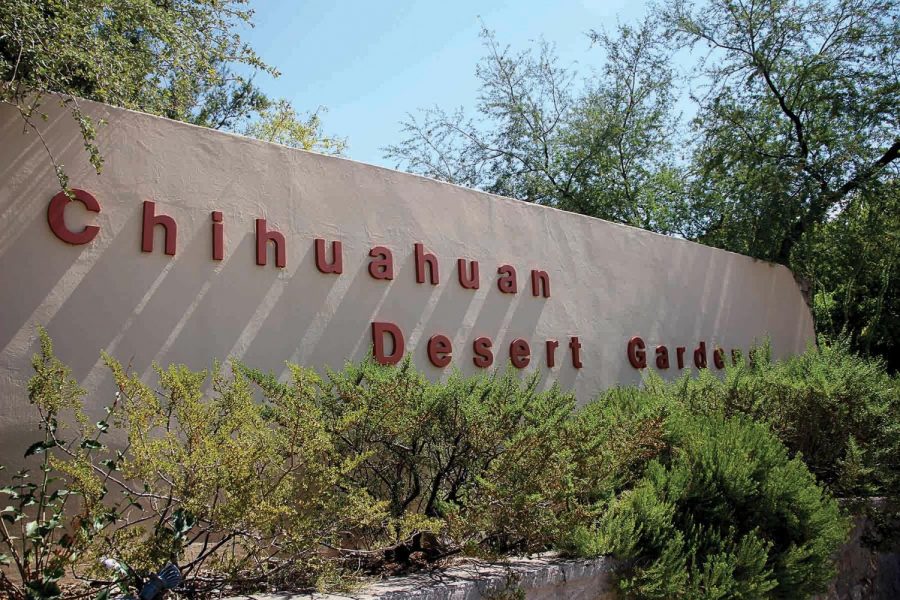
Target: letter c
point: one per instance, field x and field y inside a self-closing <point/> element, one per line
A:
<point x="56" y="217"/>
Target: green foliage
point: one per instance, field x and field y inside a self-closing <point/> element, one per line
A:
<point x="33" y="529"/>
<point x="209" y="479"/>
<point x="713" y="487"/>
<point x="800" y="118"/>
<point x="174" y="59"/>
<point x="613" y="438"/>
<point x="853" y="262"/>
<point x="181" y="59"/>
<point x="280" y="123"/>
<point x="725" y="514"/>
<point x="465" y="461"/>
<point x="599" y="146"/>
<point x="243" y="479"/>
<point x="166" y="58"/>
<point x="796" y="159"/>
<point x="839" y="411"/>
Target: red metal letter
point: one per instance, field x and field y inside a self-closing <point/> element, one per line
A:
<point x="507" y="283"/>
<point x="662" y="357"/>
<point x="575" y="346"/>
<point x="57" y="222"/>
<point x="151" y="220"/>
<point x="263" y="237"/>
<point x="218" y="249"/>
<point x="519" y="353"/>
<point x="483" y="356"/>
<point x="719" y="358"/>
<point x="337" y="259"/>
<point x="552" y="345"/>
<point x="636" y="354"/>
<point x="378" y="331"/>
<point x="540" y="279"/>
<point x="700" y="356"/>
<point x="383" y="267"/>
<point x="421" y="260"/>
<point x="440" y="350"/>
<point x="679" y="351"/>
<point x="470" y="280"/>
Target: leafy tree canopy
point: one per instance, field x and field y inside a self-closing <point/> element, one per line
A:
<point x="181" y="59"/>
<point x="600" y="145"/>
<point x="798" y="138"/>
<point x="799" y="114"/>
<point x="279" y="122"/>
<point x="792" y="155"/>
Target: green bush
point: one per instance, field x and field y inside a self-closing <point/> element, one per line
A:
<point x="213" y="481"/>
<point x="723" y="514"/>
<point x="474" y="462"/>
<point x="839" y="411"/>
<point x="613" y="438"/>
<point x="247" y="480"/>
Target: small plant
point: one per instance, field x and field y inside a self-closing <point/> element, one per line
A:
<point x="46" y="529"/>
<point x="510" y="590"/>
<point x="725" y="514"/>
<point x="253" y="490"/>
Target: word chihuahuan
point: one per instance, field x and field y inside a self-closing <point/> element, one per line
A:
<point x="381" y="267"/>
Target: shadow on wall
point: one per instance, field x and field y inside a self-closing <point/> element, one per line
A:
<point x="185" y="308"/>
<point x="347" y="332"/>
<point x="32" y="260"/>
<point x="32" y="265"/>
<point x="145" y="307"/>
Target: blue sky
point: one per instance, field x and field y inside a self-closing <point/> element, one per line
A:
<point x="370" y="63"/>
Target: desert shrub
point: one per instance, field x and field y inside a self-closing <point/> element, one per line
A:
<point x="42" y="530"/>
<point x="214" y="481"/>
<point x="518" y="497"/>
<point x="261" y="478"/>
<point x="724" y="513"/>
<point x="839" y="411"/>
<point x="471" y="462"/>
<point x="614" y="437"/>
<point x="244" y="479"/>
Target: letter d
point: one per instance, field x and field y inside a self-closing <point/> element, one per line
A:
<point x="378" y="331"/>
<point x="700" y="356"/>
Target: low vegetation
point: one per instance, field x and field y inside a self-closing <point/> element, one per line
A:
<point x="704" y="487"/>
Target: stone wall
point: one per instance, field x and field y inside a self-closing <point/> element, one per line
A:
<point x="540" y="578"/>
<point x="863" y="575"/>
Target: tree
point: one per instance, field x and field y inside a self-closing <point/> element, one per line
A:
<point x="798" y="138"/>
<point x="792" y="156"/>
<point x="854" y="262"/>
<point x="181" y="59"/>
<point x="280" y="123"/>
<point x="601" y="146"/>
<point x="799" y="107"/>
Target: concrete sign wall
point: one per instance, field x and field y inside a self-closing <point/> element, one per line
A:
<point x="194" y="245"/>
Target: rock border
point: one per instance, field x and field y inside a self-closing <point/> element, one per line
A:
<point x="537" y="578"/>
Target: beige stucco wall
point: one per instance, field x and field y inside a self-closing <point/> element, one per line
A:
<point x="609" y="282"/>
